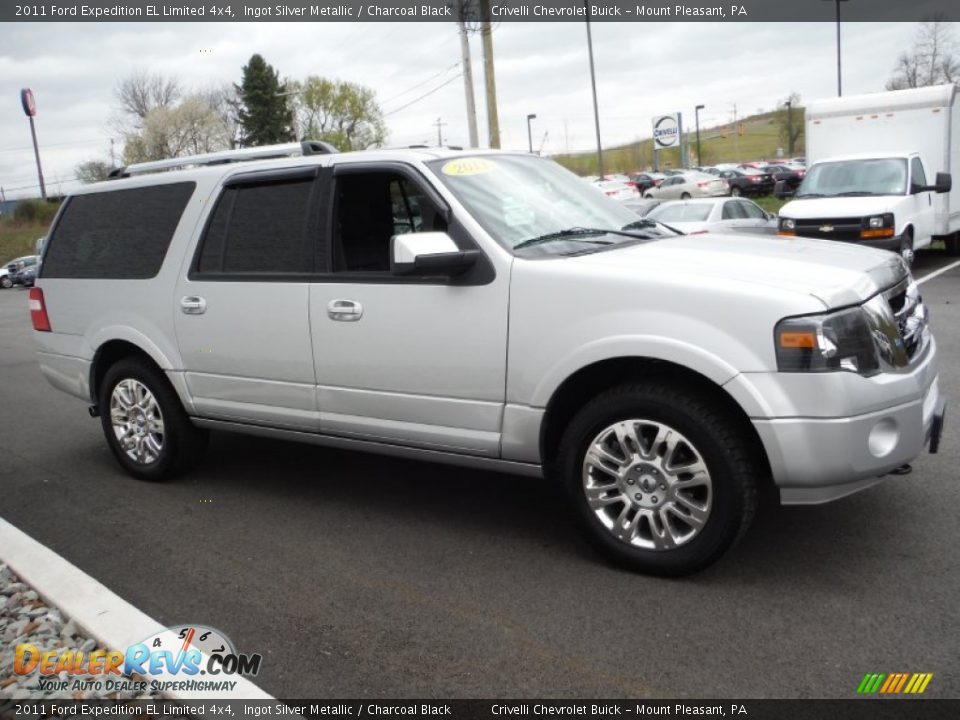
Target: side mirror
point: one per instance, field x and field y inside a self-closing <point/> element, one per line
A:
<point x="780" y="190"/>
<point x="944" y="183"/>
<point x="429" y="253"/>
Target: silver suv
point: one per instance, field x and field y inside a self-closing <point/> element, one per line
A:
<point x="488" y="310"/>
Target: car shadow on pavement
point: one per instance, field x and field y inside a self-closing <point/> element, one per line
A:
<point x="369" y="493"/>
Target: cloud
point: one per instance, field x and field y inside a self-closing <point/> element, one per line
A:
<point x="643" y="69"/>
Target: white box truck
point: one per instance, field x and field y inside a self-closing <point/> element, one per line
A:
<point x="879" y="171"/>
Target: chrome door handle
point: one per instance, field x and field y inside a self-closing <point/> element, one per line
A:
<point x="193" y="305"/>
<point x="344" y="310"/>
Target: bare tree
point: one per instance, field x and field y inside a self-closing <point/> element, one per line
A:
<point x="933" y="60"/>
<point x="142" y="91"/>
<point x="190" y="128"/>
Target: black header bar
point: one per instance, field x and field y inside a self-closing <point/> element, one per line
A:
<point x="505" y="11"/>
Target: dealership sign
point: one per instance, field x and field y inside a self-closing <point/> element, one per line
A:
<point x="666" y="131"/>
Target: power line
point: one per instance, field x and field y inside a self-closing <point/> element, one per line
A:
<point x="425" y="95"/>
<point x="421" y="84"/>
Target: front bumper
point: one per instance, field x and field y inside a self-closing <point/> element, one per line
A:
<point x="817" y="452"/>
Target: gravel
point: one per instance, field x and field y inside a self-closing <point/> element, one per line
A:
<point x="25" y="618"/>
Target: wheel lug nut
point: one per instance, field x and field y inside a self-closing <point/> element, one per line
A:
<point x="663" y="487"/>
<point x="653" y="499"/>
<point x="638" y="497"/>
<point x="629" y="481"/>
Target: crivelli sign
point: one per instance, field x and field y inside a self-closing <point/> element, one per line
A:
<point x="666" y="131"/>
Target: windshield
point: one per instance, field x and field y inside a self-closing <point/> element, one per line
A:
<point x="882" y="176"/>
<point x="681" y="212"/>
<point x="528" y="202"/>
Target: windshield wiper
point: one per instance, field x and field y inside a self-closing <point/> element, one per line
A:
<point x="647" y="223"/>
<point x="855" y="193"/>
<point x="574" y="232"/>
<point x="803" y="195"/>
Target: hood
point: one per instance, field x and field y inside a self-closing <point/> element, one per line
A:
<point x="839" y="207"/>
<point x="835" y="273"/>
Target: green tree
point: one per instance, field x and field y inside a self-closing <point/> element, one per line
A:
<point x="263" y="109"/>
<point x="789" y="121"/>
<point x="343" y="114"/>
<point x="92" y="171"/>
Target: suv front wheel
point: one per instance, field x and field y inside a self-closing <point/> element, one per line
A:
<point x="661" y="482"/>
<point x="146" y="427"/>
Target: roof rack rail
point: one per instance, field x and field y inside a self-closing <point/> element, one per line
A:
<point x="264" y="152"/>
<point x="424" y="146"/>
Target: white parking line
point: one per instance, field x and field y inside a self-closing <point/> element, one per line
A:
<point x="935" y="273"/>
<point x="102" y="614"/>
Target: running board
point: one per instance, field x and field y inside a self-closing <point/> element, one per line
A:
<point x="371" y="446"/>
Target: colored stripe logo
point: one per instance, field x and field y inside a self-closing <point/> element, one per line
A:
<point x="894" y="683"/>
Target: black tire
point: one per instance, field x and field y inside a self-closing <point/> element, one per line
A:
<point x="685" y="196"/>
<point x="722" y="443"/>
<point x="952" y="244"/>
<point x="183" y="443"/>
<point x="735" y="191"/>
<point x="5" y="282"/>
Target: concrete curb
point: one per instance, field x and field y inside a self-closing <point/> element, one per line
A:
<point x="99" y="612"/>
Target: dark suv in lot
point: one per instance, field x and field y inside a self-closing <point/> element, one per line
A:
<point x="744" y="181"/>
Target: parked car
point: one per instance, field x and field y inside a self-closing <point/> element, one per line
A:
<point x="688" y="185"/>
<point x="661" y="381"/>
<point x="642" y="206"/>
<point x="748" y="182"/>
<point x="617" y="190"/>
<point x="27" y="275"/>
<point x="646" y="180"/>
<point x="791" y="176"/>
<point x="6" y="281"/>
<point x="695" y="217"/>
<point x="16" y="267"/>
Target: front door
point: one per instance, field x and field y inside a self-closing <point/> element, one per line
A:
<point x="413" y="361"/>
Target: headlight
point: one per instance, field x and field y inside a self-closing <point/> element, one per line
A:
<point x="878" y="226"/>
<point x="839" y="341"/>
<point x="788" y="224"/>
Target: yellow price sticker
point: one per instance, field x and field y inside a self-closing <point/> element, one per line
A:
<point x="462" y="167"/>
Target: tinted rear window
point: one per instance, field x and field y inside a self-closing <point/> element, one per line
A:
<point x="122" y="234"/>
<point x="260" y="229"/>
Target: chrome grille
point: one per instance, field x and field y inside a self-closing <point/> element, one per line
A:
<point x="898" y="322"/>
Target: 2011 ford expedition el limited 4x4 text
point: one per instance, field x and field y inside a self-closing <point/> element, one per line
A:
<point x="490" y="310"/>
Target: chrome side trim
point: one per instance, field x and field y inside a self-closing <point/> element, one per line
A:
<point x="471" y="461"/>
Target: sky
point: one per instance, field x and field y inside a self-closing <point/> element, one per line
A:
<point x="642" y="69"/>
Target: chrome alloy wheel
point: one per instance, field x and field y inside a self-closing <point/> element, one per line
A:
<point x="137" y="421"/>
<point x="647" y="484"/>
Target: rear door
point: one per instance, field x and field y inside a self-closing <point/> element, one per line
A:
<point x="242" y="309"/>
<point x="406" y="360"/>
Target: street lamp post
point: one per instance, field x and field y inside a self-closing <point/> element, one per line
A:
<point x="30" y="110"/>
<point x="593" y="86"/>
<point x="839" y="83"/>
<point x="696" y="118"/>
<point x="530" y="117"/>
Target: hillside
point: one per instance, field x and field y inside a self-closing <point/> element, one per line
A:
<point x="760" y="140"/>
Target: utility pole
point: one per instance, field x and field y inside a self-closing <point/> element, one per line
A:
<point x="486" y="36"/>
<point x="113" y="155"/>
<point x="696" y="116"/>
<point x="467" y="66"/>
<point x="736" y="135"/>
<point x="593" y="87"/>
<point x="439" y="124"/>
<point x="530" y="117"/>
<point x="789" y="105"/>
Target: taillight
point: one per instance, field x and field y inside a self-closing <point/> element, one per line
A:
<point x="38" y="310"/>
<point x="657" y="182"/>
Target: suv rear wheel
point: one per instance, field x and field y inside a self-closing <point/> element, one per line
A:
<point x="661" y="482"/>
<point x="144" y="423"/>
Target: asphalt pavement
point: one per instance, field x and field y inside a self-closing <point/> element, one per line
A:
<point x="364" y="576"/>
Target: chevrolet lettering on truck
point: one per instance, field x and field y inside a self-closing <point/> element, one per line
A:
<point x="489" y="310"/>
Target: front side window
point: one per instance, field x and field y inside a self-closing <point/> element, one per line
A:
<point x="918" y="178"/>
<point x="372" y="207"/>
